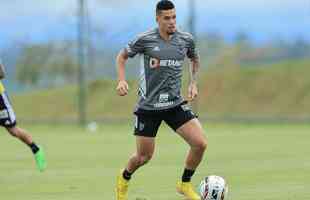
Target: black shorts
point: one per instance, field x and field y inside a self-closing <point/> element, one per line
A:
<point x="148" y="122"/>
<point x="7" y="115"/>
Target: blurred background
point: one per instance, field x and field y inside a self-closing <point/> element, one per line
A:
<point x="60" y="58"/>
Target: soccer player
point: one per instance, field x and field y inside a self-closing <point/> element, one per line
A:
<point x="8" y="121"/>
<point x="162" y="50"/>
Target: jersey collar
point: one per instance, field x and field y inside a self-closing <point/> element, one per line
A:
<point x="171" y="36"/>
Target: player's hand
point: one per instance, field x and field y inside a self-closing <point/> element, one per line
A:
<point x="192" y="91"/>
<point x="122" y="88"/>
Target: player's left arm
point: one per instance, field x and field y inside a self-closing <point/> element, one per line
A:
<point x="194" y="65"/>
<point x="193" y="88"/>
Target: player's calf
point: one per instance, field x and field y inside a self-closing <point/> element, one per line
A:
<point x="20" y="134"/>
<point x="27" y="139"/>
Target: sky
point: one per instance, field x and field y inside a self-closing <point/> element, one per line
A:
<point x="117" y="20"/>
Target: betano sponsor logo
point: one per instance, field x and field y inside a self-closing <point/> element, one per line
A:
<point x="155" y="63"/>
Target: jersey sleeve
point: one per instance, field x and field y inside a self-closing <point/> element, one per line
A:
<point x="135" y="46"/>
<point x="192" y="51"/>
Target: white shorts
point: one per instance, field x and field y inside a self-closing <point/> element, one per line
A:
<point x="7" y="115"/>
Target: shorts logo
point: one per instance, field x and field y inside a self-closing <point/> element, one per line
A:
<point x="185" y="107"/>
<point x="7" y="122"/>
<point x="163" y="97"/>
<point x="141" y="126"/>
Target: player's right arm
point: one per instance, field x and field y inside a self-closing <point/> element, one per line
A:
<point x="2" y="72"/>
<point x="121" y="59"/>
<point x="134" y="47"/>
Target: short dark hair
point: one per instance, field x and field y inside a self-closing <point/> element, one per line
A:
<point x="164" y="5"/>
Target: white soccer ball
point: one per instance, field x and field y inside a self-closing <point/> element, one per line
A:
<point x="92" y="127"/>
<point x="213" y="188"/>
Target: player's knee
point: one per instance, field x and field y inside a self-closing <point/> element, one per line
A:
<point x="202" y="145"/>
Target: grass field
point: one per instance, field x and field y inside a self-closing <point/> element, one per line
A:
<point x="260" y="162"/>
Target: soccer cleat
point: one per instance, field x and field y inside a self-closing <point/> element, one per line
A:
<point x="40" y="159"/>
<point x="186" y="189"/>
<point x="121" y="187"/>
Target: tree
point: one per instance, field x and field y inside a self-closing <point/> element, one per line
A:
<point x="47" y="63"/>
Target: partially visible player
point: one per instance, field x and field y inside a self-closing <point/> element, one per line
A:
<point x="8" y="121"/>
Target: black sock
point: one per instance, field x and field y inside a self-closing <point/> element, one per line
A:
<point x="187" y="175"/>
<point x="34" y="148"/>
<point x="127" y="175"/>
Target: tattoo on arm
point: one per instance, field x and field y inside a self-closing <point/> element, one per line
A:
<point x="194" y="66"/>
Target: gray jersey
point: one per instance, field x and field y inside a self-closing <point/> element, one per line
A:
<point x="161" y="67"/>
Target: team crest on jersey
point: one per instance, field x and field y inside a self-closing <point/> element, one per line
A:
<point x="182" y="50"/>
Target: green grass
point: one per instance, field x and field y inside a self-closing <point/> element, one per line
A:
<point x="275" y="90"/>
<point x="260" y="162"/>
